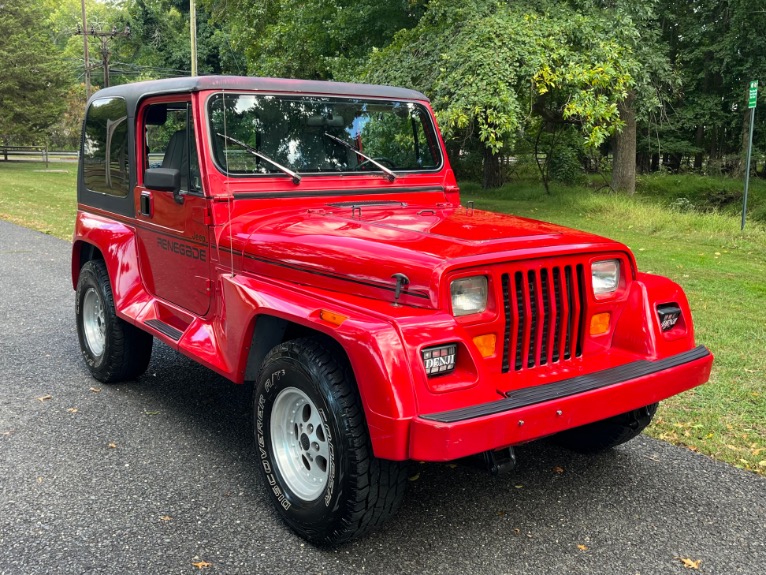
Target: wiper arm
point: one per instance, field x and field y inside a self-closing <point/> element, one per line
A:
<point x="296" y="177"/>
<point x="391" y="175"/>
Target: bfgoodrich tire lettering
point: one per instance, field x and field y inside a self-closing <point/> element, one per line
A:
<point x="313" y="449"/>
<point x="113" y="349"/>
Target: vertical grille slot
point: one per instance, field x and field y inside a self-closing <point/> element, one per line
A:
<point x="544" y="312"/>
<point x="534" y="317"/>
<point x="506" y="285"/>
<point x="523" y="317"/>
<point x="545" y="316"/>
<point x="559" y="309"/>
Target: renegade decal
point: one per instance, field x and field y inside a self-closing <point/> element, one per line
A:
<point x="182" y="249"/>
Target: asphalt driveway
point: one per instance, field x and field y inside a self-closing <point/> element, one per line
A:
<point x="157" y="475"/>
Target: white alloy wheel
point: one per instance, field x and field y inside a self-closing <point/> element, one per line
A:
<point x="300" y="443"/>
<point x="93" y="322"/>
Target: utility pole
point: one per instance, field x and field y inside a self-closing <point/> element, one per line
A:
<point x="193" y="30"/>
<point x="87" y="58"/>
<point x="104" y="37"/>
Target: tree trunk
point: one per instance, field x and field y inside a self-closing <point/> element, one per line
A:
<point x="493" y="176"/>
<point x="624" y="161"/>
<point x="699" y="141"/>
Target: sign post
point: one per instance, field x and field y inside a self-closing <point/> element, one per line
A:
<point x="752" y="99"/>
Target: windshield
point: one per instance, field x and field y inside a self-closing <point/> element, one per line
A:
<point x="316" y="134"/>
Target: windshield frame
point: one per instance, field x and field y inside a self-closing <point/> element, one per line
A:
<point x="298" y="95"/>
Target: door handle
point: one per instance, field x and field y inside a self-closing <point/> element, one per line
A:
<point x="147" y="205"/>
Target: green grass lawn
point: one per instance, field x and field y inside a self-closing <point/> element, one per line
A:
<point x="39" y="198"/>
<point x="722" y="269"/>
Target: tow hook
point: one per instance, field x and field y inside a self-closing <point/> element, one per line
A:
<point x="500" y="461"/>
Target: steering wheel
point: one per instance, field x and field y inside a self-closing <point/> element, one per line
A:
<point x="382" y="160"/>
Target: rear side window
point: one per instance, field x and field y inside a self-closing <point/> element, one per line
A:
<point x="105" y="147"/>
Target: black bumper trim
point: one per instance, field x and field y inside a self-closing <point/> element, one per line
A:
<point x="572" y="386"/>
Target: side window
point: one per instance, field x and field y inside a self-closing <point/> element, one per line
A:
<point x="169" y="142"/>
<point x="105" y="147"/>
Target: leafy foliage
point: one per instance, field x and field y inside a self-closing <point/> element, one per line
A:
<point x="319" y="39"/>
<point x="32" y="78"/>
<point x="490" y="68"/>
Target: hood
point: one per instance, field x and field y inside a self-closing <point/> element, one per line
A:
<point x="358" y="248"/>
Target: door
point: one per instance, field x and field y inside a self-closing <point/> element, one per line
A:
<point x="172" y="228"/>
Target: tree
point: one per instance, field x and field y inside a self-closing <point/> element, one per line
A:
<point x="32" y="78"/>
<point x="313" y="39"/>
<point x="159" y="43"/>
<point x="489" y="66"/>
<point x="716" y="47"/>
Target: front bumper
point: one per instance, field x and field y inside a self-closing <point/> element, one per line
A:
<point x="536" y="412"/>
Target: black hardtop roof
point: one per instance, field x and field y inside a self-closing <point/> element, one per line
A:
<point x="138" y="90"/>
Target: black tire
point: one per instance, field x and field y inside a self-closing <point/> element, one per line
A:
<point x="358" y="492"/>
<point x="113" y="349"/>
<point x="607" y="433"/>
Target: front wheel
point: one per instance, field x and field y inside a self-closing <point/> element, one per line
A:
<point x="607" y="433"/>
<point x="314" y="451"/>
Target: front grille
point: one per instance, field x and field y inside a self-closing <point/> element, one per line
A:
<point x="544" y="312"/>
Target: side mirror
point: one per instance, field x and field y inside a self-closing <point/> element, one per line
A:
<point x="164" y="179"/>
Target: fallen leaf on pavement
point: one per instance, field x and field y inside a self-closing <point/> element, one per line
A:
<point x="689" y="563"/>
<point x="582" y="547"/>
<point x="72" y="410"/>
<point x="166" y="518"/>
<point x="44" y="397"/>
<point x="558" y="470"/>
<point x="202" y="564"/>
<point x="95" y="389"/>
<point x="112" y="446"/>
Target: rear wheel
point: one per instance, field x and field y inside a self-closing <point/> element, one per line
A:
<point x="113" y="349"/>
<point x="607" y="433"/>
<point x="313" y="447"/>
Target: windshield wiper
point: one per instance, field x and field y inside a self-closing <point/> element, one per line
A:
<point x="296" y="177"/>
<point x="391" y="175"/>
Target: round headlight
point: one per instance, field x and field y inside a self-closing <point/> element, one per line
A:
<point x="605" y="276"/>
<point x="469" y="295"/>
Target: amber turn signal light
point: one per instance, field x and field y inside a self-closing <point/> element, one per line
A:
<point x="599" y="323"/>
<point x="486" y="344"/>
<point x="332" y="317"/>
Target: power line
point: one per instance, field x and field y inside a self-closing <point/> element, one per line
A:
<point x="104" y="37"/>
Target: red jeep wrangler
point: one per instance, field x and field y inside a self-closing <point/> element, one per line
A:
<point x="308" y="238"/>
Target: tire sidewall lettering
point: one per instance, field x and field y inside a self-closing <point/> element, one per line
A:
<point x="272" y="383"/>
<point x="331" y="467"/>
<point x="268" y="471"/>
